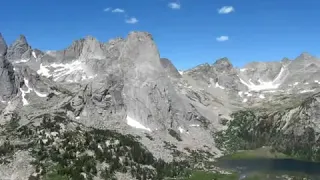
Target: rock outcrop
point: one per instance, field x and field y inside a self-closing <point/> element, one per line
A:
<point x="20" y="50"/>
<point x="3" y="46"/>
<point x="169" y="68"/>
<point x="8" y="86"/>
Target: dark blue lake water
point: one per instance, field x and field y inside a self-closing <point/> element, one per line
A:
<point x="246" y="166"/>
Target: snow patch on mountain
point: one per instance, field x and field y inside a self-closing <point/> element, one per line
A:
<point x="29" y="90"/>
<point x="70" y="72"/>
<point x="261" y="96"/>
<point x="62" y="70"/>
<point x="270" y="91"/>
<point x="34" y="54"/>
<point x="40" y="94"/>
<point x="133" y="123"/>
<point x="23" y="93"/>
<point x="24" y="100"/>
<point x="22" y="61"/>
<point x="194" y="125"/>
<point x="240" y="93"/>
<point x="306" y="91"/>
<point x="264" y="85"/>
<point x="181" y="129"/>
<point x="26" y="82"/>
<point x="248" y="94"/>
<point x="218" y="86"/>
<point x="44" y="71"/>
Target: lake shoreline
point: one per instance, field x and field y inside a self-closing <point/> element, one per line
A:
<point x="264" y="162"/>
<point x="260" y="153"/>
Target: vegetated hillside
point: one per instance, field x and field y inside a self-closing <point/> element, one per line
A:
<point x="62" y="149"/>
<point x="292" y="131"/>
<point x="65" y="150"/>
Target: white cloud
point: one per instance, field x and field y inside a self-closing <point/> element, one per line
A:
<point x="132" y="20"/>
<point x="174" y="5"/>
<point x="118" y="10"/>
<point x="226" y="10"/>
<point x="222" y="38"/>
<point x="107" y="9"/>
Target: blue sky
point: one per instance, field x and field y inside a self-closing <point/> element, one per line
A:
<point x="185" y="31"/>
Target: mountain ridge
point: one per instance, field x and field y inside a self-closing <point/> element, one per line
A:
<point x="303" y="54"/>
<point x="124" y="85"/>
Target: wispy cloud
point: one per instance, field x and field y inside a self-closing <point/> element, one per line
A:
<point x="107" y="9"/>
<point x="118" y="10"/>
<point x="226" y="10"/>
<point x="222" y="38"/>
<point x="132" y="20"/>
<point x="174" y="5"/>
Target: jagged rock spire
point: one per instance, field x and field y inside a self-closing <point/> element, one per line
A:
<point x="85" y="48"/>
<point x="22" y="39"/>
<point x="3" y="46"/>
<point x="7" y="78"/>
<point x="20" y="49"/>
<point x="223" y="64"/>
<point x="304" y="56"/>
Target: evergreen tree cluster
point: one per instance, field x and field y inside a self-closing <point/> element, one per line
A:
<point x="80" y="153"/>
<point x="251" y="130"/>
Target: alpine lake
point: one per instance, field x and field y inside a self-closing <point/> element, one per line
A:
<point x="261" y="164"/>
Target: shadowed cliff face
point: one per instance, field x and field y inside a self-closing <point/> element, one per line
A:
<point x="7" y="79"/>
<point x="19" y="50"/>
<point x="169" y="68"/>
<point x="3" y="46"/>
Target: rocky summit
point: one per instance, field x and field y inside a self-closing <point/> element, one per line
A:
<point x="118" y="110"/>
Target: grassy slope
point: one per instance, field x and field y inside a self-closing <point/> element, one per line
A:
<point x="199" y="175"/>
<point x="264" y="152"/>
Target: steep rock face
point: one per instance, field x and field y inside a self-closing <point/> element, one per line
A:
<point x="226" y="75"/>
<point x="169" y="68"/>
<point x="3" y="46"/>
<point x="82" y="61"/>
<point x="285" y="61"/>
<point x="302" y="61"/>
<point x="113" y="50"/>
<point x="121" y="84"/>
<point x="304" y="116"/>
<point x="203" y="74"/>
<point x="148" y="93"/>
<point x="83" y="49"/>
<point x="305" y="68"/>
<point x="220" y="75"/>
<point x="262" y="71"/>
<point x="19" y="50"/>
<point x="7" y="79"/>
<point x="223" y="65"/>
<point x="256" y="82"/>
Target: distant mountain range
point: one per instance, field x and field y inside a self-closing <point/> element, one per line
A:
<point x="123" y="86"/>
